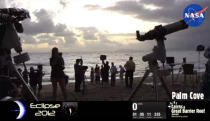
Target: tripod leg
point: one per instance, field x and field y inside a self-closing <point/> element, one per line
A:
<point x="139" y="85"/>
<point x="31" y="94"/>
<point x="165" y="87"/>
<point x="155" y="84"/>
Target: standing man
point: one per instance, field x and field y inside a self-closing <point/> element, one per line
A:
<point x="39" y="76"/>
<point x="113" y="71"/>
<point x="25" y="74"/>
<point x="92" y="75"/>
<point x="130" y="69"/>
<point x="97" y="74"/>
<point x="122" y="71"/>
<point x="106" y="70"/>
<point x="77" y="69"/>
<point x="32" y="79"/>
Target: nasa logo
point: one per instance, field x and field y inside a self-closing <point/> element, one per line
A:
<point x="194" y="15"/>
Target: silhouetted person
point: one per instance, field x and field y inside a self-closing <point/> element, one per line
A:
<point x="39" y="76"/>
<point x="106" y="71"/>
<point x="18" y="80"/>
<point x="32" y="79"/>
<point x="122" y="71"/>
<point x="25" y="75"/>
<point x="61" y="55"/>
<point x="92" y="75"/>
<point x="97" y="74"/>
<point x="113" y="71"/>
<point x="66" y="80"/>
<point x="78" y="74"/>
<point x="130" y="69"/>
<point x="57" y="73"/>
<point x="102" y="74"/>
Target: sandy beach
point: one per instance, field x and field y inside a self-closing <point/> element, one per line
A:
<point x="95" y="92"/>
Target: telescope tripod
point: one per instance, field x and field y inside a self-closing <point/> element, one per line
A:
<point x="153" y="68"/>
<point x="26" y="89"/>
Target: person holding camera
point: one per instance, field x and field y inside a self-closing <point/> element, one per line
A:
<point x="79" y="74"/>
<point x="57" y="73"/>
<point x="130" y="69"/>
<point x="106" y="68"/>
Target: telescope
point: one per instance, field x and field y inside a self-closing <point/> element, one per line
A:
<point x="159" y="33"/>
<point x="159" y="53"/>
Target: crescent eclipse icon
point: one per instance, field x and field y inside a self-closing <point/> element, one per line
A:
<point x="22" y="109"/>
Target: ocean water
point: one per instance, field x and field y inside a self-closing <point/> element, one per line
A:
<point x="90" y="59"/>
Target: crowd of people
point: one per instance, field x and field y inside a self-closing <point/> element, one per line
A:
<point x="98" y="75"/>
<point x="33" y="78"/>
<point x="101" y="74"/>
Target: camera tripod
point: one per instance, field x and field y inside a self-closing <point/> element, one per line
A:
<point x="28" y="90"/>
<point x="153" y="68"/>
<point x="10" y="19"/>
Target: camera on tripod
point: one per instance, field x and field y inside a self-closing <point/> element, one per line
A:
<point x="80" y="61"/>
<point x="102" y="57"/>
<point x="84" y="68"/>
<point x="21" y="58"/>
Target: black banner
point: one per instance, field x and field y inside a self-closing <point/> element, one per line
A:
<point x="174" y="110"/>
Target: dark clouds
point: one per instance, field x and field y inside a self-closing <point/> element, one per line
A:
<point x="170" y="11"/>
<point x="45" y="31"/>
<point x="96" y="40"/>
<point x="47" y="28"/>
<point x="44" y="24"/>
<point x="89" y="33"/>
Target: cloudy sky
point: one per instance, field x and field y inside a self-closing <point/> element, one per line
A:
<point x="105" y="25"/>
